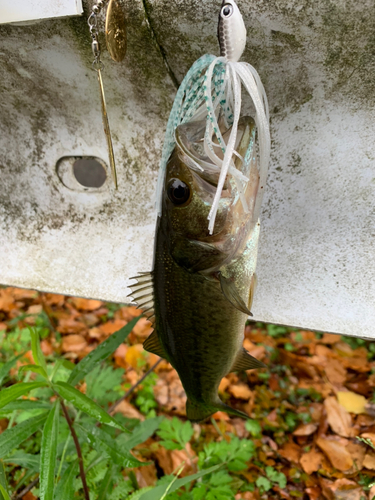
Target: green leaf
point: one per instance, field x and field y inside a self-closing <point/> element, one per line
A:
<point x="143" y="431"/>
<point x="15" y="391"/>
<point x="36" y="350"/>
<point x="254" y="427"/>
<point x="158" y="492"/>
<point x="25" y="460"/>
<point x="4" y="370"/>
<point x="48" y="454"/>
<point x="4" y="493"/>
<point x="263" y="482"/>
<point x="108" y="444"/>
<point x="65" y="487"/>
<point x="101" y="353"/>
<point x="3" y="479"/>
<point x="26" y="404"/>
<point x="86" y="405"/>
<point x="33" y="368"/>
<point x="12" y="438"/>
<point x="106" y="484"/>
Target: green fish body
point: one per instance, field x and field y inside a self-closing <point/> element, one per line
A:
<point x="199" y="294"/>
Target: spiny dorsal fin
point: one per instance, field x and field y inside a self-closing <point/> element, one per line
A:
<point x="142" y="293"/>
<point x="245" y="361"/>
<point x="152" y="344"/>
<point x="231" y="293"/>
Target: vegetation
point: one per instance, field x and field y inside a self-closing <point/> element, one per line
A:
<point x="68" y="432"/>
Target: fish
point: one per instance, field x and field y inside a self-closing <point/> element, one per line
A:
<point x="199" y="294"/>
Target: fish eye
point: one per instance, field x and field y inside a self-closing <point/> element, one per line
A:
<point x="178" y="192"/>
<point x="227" y="10"/>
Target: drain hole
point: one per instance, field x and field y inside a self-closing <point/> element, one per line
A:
<point x="89" y="172"/>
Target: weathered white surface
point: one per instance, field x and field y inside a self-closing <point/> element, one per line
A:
<point x="316" y="256"/>
<point x="27" y="10"/>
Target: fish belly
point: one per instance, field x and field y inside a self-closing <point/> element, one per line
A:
<point x="200" y="331"/>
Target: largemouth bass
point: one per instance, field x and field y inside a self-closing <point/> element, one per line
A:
<point x="200" y="291"/>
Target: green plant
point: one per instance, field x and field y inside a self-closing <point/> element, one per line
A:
<point x="274" y="477"/>
<point x="59" y="441"/>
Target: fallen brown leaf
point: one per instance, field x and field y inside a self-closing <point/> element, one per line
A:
<point x="338" y="418"/>
<point x="311" y="461"/>
<point x="70" y="325"/>
<point x="126" y="409"/>
<point x="143" y="328"/>
<point x="369" y="460"/>
<point x="335" y="372"/>
<point x="240" y="391"/>
<point x="86" y="304"/>
<point x="291" y="451"/>
<point x="305" y="429"/>
<point x="146" y="475"/>
<point x="73" y="343"/>
<point x="112" y="326"/>
<point x="336" y="452"/>
<point x="343" y="489"/>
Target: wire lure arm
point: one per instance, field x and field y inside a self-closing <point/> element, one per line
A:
<point x="116" y="44"/>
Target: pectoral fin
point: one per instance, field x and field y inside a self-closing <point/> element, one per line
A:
<point x="152" y="344"/>
<point x="231" y="293"/>
<point x="245" y="361"/>
<point x="253" y="286"/>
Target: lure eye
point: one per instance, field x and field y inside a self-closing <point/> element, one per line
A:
<point x="178" y="192"/>
<point x="227" y="10"/>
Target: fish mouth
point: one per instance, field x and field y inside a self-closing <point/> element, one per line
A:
<point x="191" y="145"/>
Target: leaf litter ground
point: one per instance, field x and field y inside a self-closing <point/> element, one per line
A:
<point x="311" y="427"/>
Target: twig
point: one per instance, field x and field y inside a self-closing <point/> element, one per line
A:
<point x="28" y="488"/>
<point x="78" y="448"/>
<point x="133" y="387"/>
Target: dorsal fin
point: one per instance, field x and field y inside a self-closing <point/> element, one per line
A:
<point x="142" y="293"/>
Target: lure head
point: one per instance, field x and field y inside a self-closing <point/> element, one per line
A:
<point x="189" y="190"/>
<point x="231" y="31"/>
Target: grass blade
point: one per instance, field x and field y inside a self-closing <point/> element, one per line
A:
<point x="4" y="370"/>
<point x="65" y="488"/>
<point x="12" y="438"/>
<point x="3" y="479"/>
<point x="158" y="492"/>
<point x="48" y="454"/>
<point x="101" y="353"/>
<point x="3" y="493"/>
<point x="86" y="405"/>
<point x="25" y="460"/>
<point x="36" y="350"/>
<point x="15" y="391"/>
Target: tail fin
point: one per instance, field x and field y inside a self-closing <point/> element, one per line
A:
<point x="196" y="412"/>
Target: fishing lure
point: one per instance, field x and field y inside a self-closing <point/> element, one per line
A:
<point x="115" y="31"/>
<point x="213" y="86"/>
<point x="200" y="291"/>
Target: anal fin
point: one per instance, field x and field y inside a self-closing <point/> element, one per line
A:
<point x="152" y="344"/>
<point x="231" y="293"/>
<point x="245" y="361"/>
